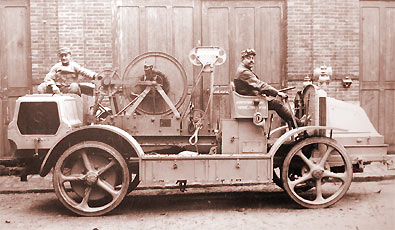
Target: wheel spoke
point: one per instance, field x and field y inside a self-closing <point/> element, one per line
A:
<point x="305" y="159"/>
<point x="299" y="180"/>
<point x="86" y="161"/>
<point x="341" y="176"/>
<point x="84" y="203"/>
<point x="326" y="155"/>
<point x="107" y="187"/>
<point x="319" y="197"/>
<point x="108" y="166"/>
<point x="73" y="177"/>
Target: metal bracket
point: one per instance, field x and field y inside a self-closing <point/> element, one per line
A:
<point x="3" y="93"/>
<point x="390" y="164"/>
<point x="258" y="118"/>
<point x="182" y="184"/>
<point x="237" y="164"/>
<point x="207" y="55"/>
<point x="36" y="144"/>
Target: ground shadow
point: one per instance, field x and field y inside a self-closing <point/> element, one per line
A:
<point x="51" y="205"/>
<point x="203" y="201"/>
<point x="182" y="201"/>
<point x="158" y="203"/>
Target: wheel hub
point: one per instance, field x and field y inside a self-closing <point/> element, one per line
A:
<point x="91" y="178"/>
<point x="317" y="173"/>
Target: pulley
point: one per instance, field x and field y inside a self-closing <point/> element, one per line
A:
<point x="157" y="81"/>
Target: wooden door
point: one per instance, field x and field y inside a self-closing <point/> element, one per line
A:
<point x="150" y="25"/>
<point x="172" y="27"/>
<point x="15" y="64"/>
<point x="237" y="25"/>
<point x="175" y="27"/>
<point x="377" y="83"/>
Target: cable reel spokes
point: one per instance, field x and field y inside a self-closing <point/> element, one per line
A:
<point x="154" y="83"/>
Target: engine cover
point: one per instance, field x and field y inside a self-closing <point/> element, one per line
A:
<point x="44" y="118"/>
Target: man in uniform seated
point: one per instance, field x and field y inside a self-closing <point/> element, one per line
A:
<point x="247" y="83"/>
<point x="63" y="76"/>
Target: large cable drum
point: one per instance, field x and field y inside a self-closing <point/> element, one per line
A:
<point x="160" y="69"/>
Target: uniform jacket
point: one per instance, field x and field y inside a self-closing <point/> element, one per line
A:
<point x="248" y="83"/>
<point x="64" y="75"/>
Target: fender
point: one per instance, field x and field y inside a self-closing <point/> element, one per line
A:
<point x="280" y="141"/>
<point x="53" y="155"/>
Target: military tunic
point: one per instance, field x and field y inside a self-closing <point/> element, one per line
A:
<point x="248" y="83"/>
<point x="63" y="75"/>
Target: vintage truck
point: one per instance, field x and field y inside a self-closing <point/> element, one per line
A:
<point x="144" y="129"/>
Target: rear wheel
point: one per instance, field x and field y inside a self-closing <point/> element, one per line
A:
<point x="279" y="182"/>
<point x="91" y="178"/>
<point x="323" y="166"/>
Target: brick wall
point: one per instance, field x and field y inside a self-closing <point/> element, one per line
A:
<point x="321" y="32"/>
<point x="334" y="89"/>
<point x="318" y="32"/>
<point x="83" y="25"/>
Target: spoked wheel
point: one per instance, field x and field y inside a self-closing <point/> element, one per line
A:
<point x="91" y="178"/>
<point x="279" y="182"/>
<point x="110" y="86"/>
<point x="322" y="166"/>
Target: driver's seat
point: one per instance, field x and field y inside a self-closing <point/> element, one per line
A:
<point x="246" y="106"/>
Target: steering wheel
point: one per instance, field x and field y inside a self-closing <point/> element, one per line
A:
<point x="108" y="84"/>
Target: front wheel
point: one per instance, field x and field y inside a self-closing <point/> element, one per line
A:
<point x="323" y="166"/>
<point x="91" y="178"/>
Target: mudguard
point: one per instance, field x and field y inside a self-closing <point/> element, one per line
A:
<point x="280" y="141"/>
<point x="52" y="155"/>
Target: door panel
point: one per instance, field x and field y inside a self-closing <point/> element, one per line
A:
<point x="128" y="40"/>
<point x="215" y="33"/>
<point x="271" y="46"/>
<point x="166" y="26"/>
<point x="15" y="64"/>
<point x="370" y="101"/>
<point x="377" y="82"/>
<point x="370" y="46"/>
<point x="237" y="25"/>
<point x="15" y="28"/>
<point x="389" y="101"/>
<point x="388" y="47"/>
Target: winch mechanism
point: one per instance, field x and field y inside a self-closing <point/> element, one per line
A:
<point x="155" y="83"/>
